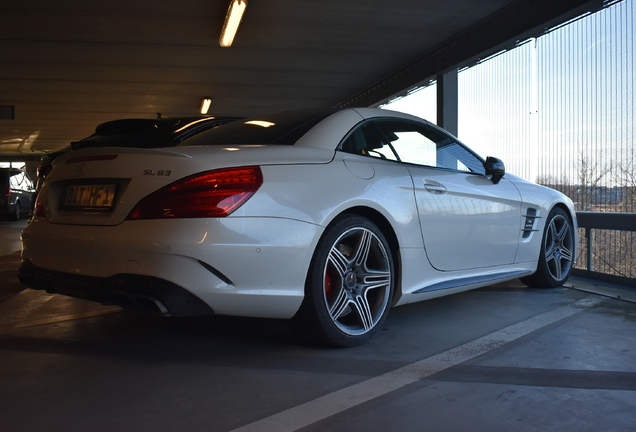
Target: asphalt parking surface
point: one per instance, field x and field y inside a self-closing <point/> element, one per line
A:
<point x="504" y="357"/>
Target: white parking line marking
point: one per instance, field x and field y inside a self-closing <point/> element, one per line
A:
<point x="326" y="406"/>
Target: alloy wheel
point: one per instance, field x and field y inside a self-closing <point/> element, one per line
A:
<point x="357" y="281"/>
<point x="559" y="246"/>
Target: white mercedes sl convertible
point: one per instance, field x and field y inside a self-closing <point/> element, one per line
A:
<point x="326" y="217"/>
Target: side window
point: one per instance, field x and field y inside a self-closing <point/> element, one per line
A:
<point x="422" y="145"/>
<point x="367" y="140"/>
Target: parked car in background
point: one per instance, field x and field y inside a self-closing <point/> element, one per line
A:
<point x="326" y="217"/>
<point x="16" y="189"/>
<point x="138" y="133"/>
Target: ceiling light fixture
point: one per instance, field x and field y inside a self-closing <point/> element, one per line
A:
<point x="205" y="105"/>
<point x="232" y="21"/>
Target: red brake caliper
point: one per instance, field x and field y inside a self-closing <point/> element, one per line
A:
<point x="327" y="284"/>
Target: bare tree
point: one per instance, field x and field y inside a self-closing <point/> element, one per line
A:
<point x="590" y="178"/>
<point x="625" y="177"/>
<point x="587" y="190"/>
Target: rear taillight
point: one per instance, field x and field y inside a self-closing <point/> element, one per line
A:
<point x="8" y="192"/>
<point x="214" y="193"/>
<point x="38" y="210"/>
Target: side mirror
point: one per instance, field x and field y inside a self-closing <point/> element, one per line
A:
<point x="495" y="169"/>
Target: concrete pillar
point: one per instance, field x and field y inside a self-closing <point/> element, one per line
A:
<point x="447" y="101"/>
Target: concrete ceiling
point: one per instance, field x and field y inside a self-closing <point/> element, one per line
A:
<point x="68" y="65"/>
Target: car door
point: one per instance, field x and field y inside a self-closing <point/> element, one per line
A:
<point x="467" y="221"/>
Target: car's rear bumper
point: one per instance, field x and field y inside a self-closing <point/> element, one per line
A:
<point x="236" y="266"/>
<point x="135" y="292"/>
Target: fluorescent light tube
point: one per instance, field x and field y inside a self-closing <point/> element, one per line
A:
<point x="232" y="21"/>
<point x="205" y="105"/>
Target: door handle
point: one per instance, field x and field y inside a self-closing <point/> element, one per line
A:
<point x="435" y="188"/>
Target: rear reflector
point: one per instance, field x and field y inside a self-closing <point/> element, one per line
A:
<point x="208" y="194"/>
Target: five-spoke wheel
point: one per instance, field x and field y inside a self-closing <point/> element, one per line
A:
<point x="350" y="284"/>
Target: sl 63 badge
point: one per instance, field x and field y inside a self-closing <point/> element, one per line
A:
<point x="164" y="173"/>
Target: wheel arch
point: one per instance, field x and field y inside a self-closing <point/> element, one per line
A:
<point x="565" y="208"/>
<point x="389" y="233"/>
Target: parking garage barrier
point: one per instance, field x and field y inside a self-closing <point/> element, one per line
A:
<point x="591" y="221"/>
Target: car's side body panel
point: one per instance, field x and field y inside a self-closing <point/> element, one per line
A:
<point x="542" y="200"/>
<point x="467" y="221"/>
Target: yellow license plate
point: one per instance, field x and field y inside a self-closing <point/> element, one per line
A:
<point x="89" y="196"/>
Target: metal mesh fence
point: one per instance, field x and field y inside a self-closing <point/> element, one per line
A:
<point x="559" y="110"/>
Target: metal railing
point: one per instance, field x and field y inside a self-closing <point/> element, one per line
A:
<point x="624" y="223"/>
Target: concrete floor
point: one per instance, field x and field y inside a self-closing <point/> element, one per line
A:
<point x="500" y="358"/>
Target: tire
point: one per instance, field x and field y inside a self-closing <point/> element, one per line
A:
<point x="349" y="286"/>
<point x="17" y="213"/>
<point x="556" y="257"/>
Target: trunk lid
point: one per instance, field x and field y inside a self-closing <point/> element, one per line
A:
<point x="101" y="186"/>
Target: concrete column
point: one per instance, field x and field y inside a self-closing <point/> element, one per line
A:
<point x="447" y="101"/>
